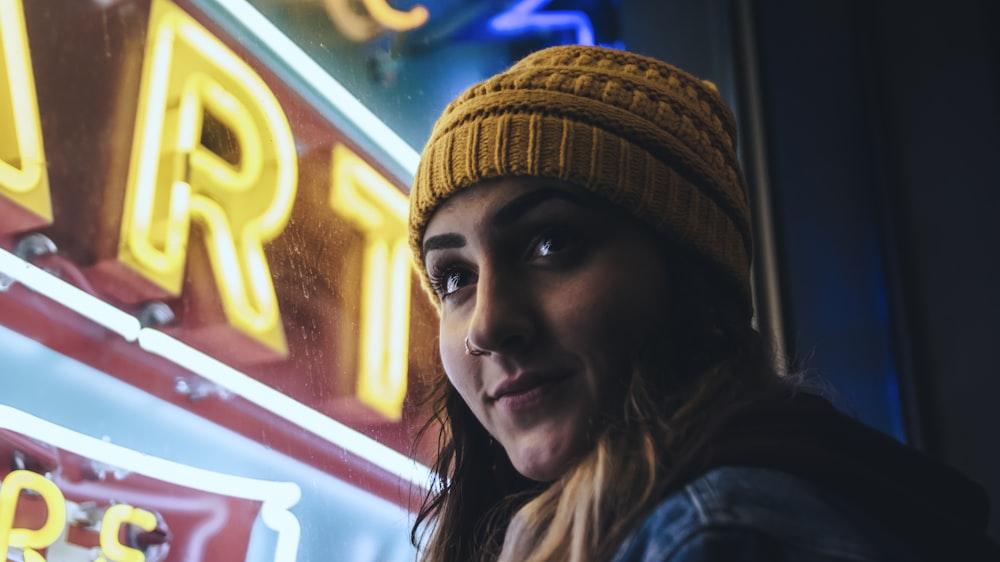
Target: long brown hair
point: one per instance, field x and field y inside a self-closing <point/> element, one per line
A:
<point x="480" y="508"/>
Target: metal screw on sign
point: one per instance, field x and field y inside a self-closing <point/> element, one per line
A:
<point x="155" y="314"/>
<point x="28" y="247"/>
<point x="154" y="544"/>
<point x="33" y="245"/>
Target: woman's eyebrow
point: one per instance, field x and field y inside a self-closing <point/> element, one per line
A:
<point x="443" y="242"/>
<point x="518" y="206"/>
<point x="507" y="214"/>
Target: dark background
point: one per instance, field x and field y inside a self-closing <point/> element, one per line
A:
<point x="881" y="121"/>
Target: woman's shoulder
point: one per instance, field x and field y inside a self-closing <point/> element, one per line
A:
<point x="750" y="514"/>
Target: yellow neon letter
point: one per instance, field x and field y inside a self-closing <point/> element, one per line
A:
<point x="371" y="203"/>
<point x="23" y="178"/>
<point x="116" y="516"/>
<point x="377" y="17"/>
<point x="190" y="77"/>
<point x="30" y="539"/>
<point x="394" y="19"/>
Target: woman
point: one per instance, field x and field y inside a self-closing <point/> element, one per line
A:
<point x="581" y="224"/>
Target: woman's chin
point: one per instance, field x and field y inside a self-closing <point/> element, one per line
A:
<point x="544" y="465"/>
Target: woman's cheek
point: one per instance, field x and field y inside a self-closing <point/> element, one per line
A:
<point x="457" y="365"/>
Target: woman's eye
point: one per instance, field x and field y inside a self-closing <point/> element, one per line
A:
<point x="550" y="243"/>
<point x="449" y="280"/>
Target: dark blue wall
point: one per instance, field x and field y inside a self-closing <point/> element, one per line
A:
<point x="883" y="120"/>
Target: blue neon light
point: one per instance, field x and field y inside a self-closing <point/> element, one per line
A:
<point x="525" y="17"/>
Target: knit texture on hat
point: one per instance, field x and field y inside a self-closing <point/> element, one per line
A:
<point x="646" y="135"/>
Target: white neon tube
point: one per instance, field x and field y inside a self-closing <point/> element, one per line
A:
<point x="77" y="300"/>
<point x="388" y="459"/>
<point x="214" y="370"/>
<point x="325" y="85"/>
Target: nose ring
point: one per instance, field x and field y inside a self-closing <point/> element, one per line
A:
<point x="473" y="352"/>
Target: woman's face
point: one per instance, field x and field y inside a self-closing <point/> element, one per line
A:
<point x="559" y="295"/>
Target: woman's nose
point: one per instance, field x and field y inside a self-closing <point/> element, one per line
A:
<point x="504" y="317"/>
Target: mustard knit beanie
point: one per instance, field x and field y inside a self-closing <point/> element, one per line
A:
<point x="646" y="135"/>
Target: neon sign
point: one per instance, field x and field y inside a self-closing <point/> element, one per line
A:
<point x="379" y="17"/>
<point x="375" y="206"/>
<point x="240" y="195"/>
<point x="24" y="187"/>
<point x="174" y="180"/>
<point x="273" y="498"/>
<point x="114" y="518"/>
<point x="30" y="541"/>
<point x="525" y="16"/>
<point x="394" y="19"/>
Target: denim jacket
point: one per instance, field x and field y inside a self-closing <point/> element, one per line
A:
<point x="744" y="514"/>
<point x="788" y="478"/>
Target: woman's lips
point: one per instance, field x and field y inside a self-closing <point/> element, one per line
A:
<point x="528" y="391"/>
<point x="517" y="384"/>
